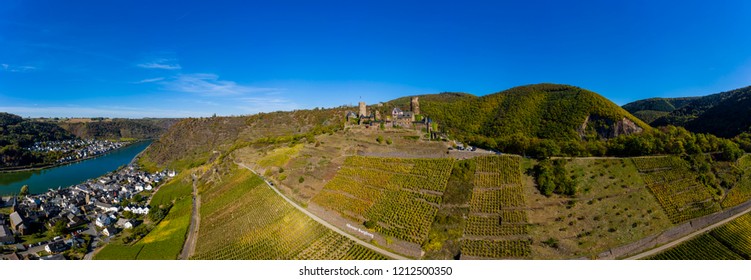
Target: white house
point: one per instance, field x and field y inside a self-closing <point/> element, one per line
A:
<point x="109" y="231"/>
<point x="103" y="221"/>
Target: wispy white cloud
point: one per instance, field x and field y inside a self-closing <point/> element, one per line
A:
<point x="210" y="85"/>
<point x="161" y="63"/>
<point x="17" y="69"/>
<point x="99" y="111"/>
<point x="152" y="80"/>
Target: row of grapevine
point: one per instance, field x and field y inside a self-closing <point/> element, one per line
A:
<point x="704" y="247"/>
<point x="741" y="192"/>
<point x="492" y="201"/>
<point x="494" y="227"/>
<point x="681" y="196"/>
<point x="496" y="249"/>
<point x="400" y="196"/>
<point x="259" y="224"/>
<point x="736" y="235"/>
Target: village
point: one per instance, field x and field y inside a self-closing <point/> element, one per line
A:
<point x="72" y="220"/>
<point x="76" y="149"/>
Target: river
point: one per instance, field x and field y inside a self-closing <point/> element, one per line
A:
<point x="40" y="181"/>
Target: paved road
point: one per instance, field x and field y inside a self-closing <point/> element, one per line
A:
<point x="687" y="237"/>
<point x="195" y="220"/>
<point x="328" y="225"/>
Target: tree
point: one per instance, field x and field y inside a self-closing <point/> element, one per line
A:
<point x="379" y="139"/>
<point x="388" y="141"/>
<point x="24" y="190"/>
<point x="301" y="180"/>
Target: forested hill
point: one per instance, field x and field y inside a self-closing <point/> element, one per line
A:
<point x="14" y="130"/>
<point x="17" y="133"/>
<point x="120" y="128"/>
<point x="651" y="109"/>
<point x="725" y="114"/>
<point x="546" y="111"/>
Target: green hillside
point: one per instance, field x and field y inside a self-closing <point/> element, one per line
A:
<point x="17" y="133"/>
<point x="120" y="128"/>
<point x="547" y="111"/>
<point x="723" y="114"/>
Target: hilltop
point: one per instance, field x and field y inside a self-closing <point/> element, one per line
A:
<point x="545" y="111"/>
<point x="724" y="114"/>
<point x="651" y="109"/>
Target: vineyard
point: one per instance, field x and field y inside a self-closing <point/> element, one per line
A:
<point x="401" y="196"/>
<point x="731" y="241"/>
<point x="495" y="228"/>
<point x="242" y="218"/>
<point x="736" y="235"/>
<point x="497" y="248"/>
<point x="741" y="191"/>
<point x="678" y="192"/>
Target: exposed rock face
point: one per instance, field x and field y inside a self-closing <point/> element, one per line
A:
<point x="607" y="128"/>
<point x="625" y="126"/>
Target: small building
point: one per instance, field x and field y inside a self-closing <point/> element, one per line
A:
<point x="18" y="223"/>
<point x="109" y="231"/>
<point x="55" y="247"/>
<point x="103" y="221"/>
<point x="124" y="223"/>
<point x="6" y="236"/>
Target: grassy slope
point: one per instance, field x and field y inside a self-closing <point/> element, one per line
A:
<point x="612" y="208"/>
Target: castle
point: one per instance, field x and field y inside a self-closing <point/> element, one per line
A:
<point x="398" y="117"/>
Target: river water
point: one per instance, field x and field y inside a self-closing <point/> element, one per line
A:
<point x="40" y="181"/>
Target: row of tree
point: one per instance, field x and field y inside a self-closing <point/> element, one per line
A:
<point x="669" y="140"/>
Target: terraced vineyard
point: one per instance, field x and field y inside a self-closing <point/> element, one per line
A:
<point x="401" y="196"/>
<point x="242" y="218"/>
<point x="731" y="241"/>
<point x="680" y="195"/>
<point x="495" y="227"/>
<point x="741" y="191"/>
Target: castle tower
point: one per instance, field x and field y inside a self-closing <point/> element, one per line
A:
<point x="415" y="105"/>
<point x="363" y="110"/>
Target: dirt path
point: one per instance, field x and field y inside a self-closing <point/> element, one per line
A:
<point x="189" y="247"/>
<point x="687" y="237"/>
<point x="327" y="224"/>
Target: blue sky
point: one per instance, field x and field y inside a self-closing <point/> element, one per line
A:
<point x="190" y="58"/>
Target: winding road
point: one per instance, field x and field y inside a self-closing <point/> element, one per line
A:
<point x="327" y="224"/>
<point x="195" y="220"/>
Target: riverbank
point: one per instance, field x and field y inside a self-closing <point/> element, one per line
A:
<point x="47" y="166"/>
<point x="40" y="181"/>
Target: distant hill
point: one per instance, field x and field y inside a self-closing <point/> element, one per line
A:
<point x="724" y="114"/>
<point x="17" y="133"/>
<point x="547" y="111"/>
<point x="120" y="128"/>
<point x="651" y="109"/>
